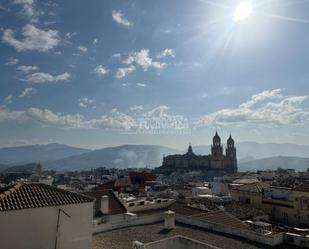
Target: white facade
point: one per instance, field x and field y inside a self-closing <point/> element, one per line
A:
<point x="35" y="228"/>
<point x="201" y="191"/>
<point x="143" y="205"/>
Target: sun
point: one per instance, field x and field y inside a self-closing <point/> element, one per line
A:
<point x="242" y="11"/>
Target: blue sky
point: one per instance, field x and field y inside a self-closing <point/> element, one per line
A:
<point x="105" y="73"/>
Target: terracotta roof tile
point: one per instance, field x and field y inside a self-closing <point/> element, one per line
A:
<point x="36" y="195"/>
<point x="221" y="217"/>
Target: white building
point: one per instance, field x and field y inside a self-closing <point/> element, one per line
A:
<point x="38" y="216"/>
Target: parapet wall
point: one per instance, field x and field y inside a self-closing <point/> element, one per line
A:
<point x="176" y="242"/>
<point x="271" y="240"/>
<point x="112" y="222"/>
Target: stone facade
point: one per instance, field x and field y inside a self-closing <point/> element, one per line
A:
<point x="216" y="163"/>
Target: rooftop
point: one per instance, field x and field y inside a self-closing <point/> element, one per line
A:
<point x="114" y="204"/>
<point x="298" y="184"/>
<point x="36" y="195"/>
<point x="221" y="217"/>
<point x="240" y="210"/>
<point x="123" y="238"/>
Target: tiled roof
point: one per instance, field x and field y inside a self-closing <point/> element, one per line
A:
<point x="123" y="182"/>
<point x="123" y="238"/>
<point x="238" y="209"/>
<point x="36" y="195"/>
<point x="298" y="184"/>
<point x="221" y="217"/>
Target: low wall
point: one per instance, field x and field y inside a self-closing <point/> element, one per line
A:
<point x="125" y="220"/>
<point x="271" y="240"/>
<point x="176" y="242"/>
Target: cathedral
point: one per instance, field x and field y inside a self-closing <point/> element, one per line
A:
<point x="215" y="164"/>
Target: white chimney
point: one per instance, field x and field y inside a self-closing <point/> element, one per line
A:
<point x="104" y="204"/>
<point x="169" y="219"/>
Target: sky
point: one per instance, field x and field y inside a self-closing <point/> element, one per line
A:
<point x="104" y="73"/>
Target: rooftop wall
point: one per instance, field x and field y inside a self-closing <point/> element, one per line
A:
<point x="176" y="242"/>
<point x="271" y="240"/>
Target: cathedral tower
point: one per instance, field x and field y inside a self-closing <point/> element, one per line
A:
<point x="216" y="148"/>
<point x="231" y="155"/>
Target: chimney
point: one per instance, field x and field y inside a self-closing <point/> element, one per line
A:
<point x="169" y="219"/>
<point x="104" y="204"/>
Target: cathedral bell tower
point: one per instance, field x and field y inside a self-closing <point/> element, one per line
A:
<point x="231" y="154"/>
<point x="230" y="149"/>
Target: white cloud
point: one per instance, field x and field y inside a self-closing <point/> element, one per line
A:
<point x="46" y="77"/>
<point x="119" y="17"/>
<point x="141" y="84"/>
<point x="116" y="55"/>
<point x="166" y="52"/>
<point x="95" y="41"/>
<point x="28" y="10"/>
<point x="47" y="118"/>
<point x="11" y="61"/>
<point x="100" y="70"/>
<point x="49" y="22"/>
<point x="69" y="35"/>
<point x="27" y="69"/>
<point x="268" y="108"/>
<point x="27" y="92"/>
<point x="115" y="120"/>
<point x="85" y="102"/>
<point x="83" y="49"/>
<point x="265" y="95"/>
<point x="142" y="120"/>
<point x="8" y="100"/>
<point x="159" y="111"/>
<point x="58" y="53"/>
<point x="143" y="60"/>
<point x="136" y="108"/>
<point x="34" y="39"/>
<point x="122" y="72"/>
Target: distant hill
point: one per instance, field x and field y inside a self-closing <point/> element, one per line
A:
<point x="37" y="153"/>
<point x="272" y="163"/>
<point x="125" y="156"/>
<point x="29" y="167"/>
<point x="3" y="167"/>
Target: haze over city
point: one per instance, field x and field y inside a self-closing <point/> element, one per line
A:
<point x="89" y="74"/>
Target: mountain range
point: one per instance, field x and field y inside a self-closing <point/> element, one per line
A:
<point x="37" y="153"/>
<point x="125" y="156"/>
<point x="251" y="156"/>
<point x="272" y="163"/>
